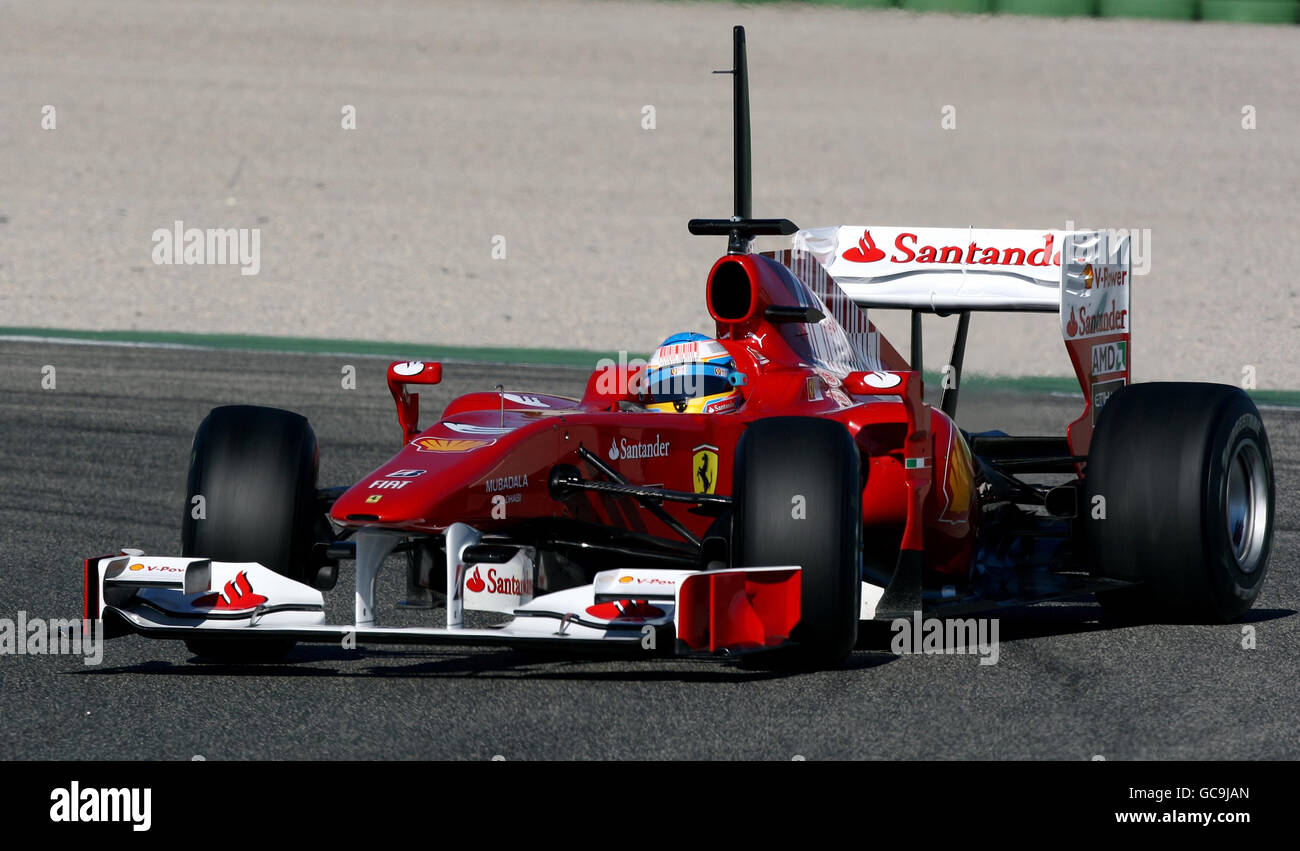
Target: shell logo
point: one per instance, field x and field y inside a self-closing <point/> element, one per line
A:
<point x="625" y="579"/>
<point x="1087" y="277"/>
<point x="443" y="444"/>
<point x="136" y="566"/>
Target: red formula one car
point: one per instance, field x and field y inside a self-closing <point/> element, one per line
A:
<point x="763" y="490"/>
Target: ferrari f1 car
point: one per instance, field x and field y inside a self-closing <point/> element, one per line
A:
<point x="824" y="492"/>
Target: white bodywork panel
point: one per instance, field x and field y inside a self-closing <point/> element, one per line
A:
<point x="944" y="269"/>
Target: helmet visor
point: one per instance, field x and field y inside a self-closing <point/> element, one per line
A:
<point x="687" y="381"/>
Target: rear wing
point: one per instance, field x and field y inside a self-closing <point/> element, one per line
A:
<point x="948" y="270"/>
<point x="1081" y="275"/>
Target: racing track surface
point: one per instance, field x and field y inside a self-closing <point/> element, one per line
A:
<point x="99" y="462"/>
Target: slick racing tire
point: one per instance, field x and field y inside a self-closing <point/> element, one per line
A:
<point x="1179" y="498"/>
<point x="255" y="469"/>
<point x="796" y="501"/>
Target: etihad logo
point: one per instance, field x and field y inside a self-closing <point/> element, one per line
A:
<point x="1101" y="393"/>
<point x="442" y="444"/>
<point x="907" y="250"/>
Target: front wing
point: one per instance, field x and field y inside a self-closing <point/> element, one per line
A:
<point x="693" y="613"/>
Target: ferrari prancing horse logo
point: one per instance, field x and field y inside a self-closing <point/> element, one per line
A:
<point x="704" y="467"/>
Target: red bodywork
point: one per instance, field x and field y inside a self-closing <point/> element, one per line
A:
<point x="487" y="461"/>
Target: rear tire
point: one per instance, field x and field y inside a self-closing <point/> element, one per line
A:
<point x="256" y="471"/>
<point x="796" y="501"/>
<point x="1187" y="477"/>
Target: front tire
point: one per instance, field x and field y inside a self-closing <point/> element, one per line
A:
<point x="255" y="469"/>
<point x="1186" y="476"/>
<point x="796" y="501"/>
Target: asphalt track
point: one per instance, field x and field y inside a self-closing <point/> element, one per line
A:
<point x="98" y="463"/>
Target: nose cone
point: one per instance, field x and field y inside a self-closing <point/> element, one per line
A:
<point x="409" y="490"/>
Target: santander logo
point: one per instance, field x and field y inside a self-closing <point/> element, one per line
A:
<point x="1103" y="321"/>
<point x="909" y="249"/>
<point x="236" y="596"/>
<point x="865" y="251"/>
<point x="499" y="584"/>
<point x="624" y="448"/>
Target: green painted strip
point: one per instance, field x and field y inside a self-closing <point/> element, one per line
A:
<point x="1049" y="8"/>
<point x="1251" y="11"/>
<point x="1033" y="384"/>
<point x="850" y="3"/>
<point x="1011" y="383"/>
<point x="1042" y="384"/>
<point x="854" y="4"/>
<point x="315" y="345"/>
<point x="1177" y="10"/>
<point x="1285" y="398"/>
<point x="976" y="6"/>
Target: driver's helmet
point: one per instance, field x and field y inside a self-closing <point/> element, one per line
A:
<point x="691" y="373"/>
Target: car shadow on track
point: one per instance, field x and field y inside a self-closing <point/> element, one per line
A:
<point x="310" y="661"/>
<point x="1021" y="623"/>
<point x="1028" y="622"/>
